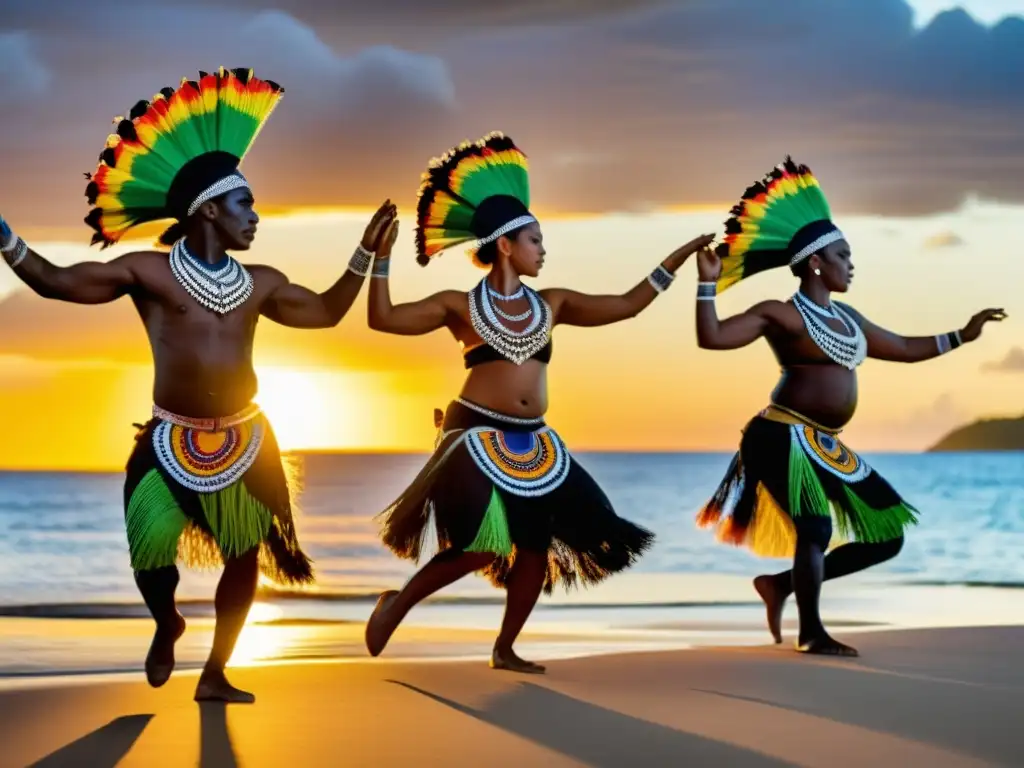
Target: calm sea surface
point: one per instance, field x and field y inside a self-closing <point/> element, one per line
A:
<point x="62" y="536"/>
<point x="63" y="555"/>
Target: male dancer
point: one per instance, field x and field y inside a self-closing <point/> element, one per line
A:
<point x="205" y="482"/>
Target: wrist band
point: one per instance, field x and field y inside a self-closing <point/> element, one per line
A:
<point x="706" y="291"/>
<point x="660" y="279"/>
<point x="947" y="342"/>
<point x="20" y="249"/>
<point x="360" y="261"/>
<point x="381" y="268"/>
<point x="12" y="243"/>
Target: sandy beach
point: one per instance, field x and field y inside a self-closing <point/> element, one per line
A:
<point x="935" y="697"/>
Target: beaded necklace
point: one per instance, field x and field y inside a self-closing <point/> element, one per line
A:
<point x="511" y="297"/>
<point x="516" y="346"/>
<point x="220" y="290"/>
<point x="848" y="350"/>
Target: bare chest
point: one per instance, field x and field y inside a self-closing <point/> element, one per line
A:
<point x="174" y="318"/>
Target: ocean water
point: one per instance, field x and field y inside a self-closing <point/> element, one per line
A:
<point x="63" y="555"/>
<point x="62" y="535"/>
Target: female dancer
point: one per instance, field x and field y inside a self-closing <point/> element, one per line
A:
<point x="506" y="496"/>
<point x="791" y="466"/>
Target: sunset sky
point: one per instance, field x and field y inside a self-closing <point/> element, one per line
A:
<point x="643" y="122"/>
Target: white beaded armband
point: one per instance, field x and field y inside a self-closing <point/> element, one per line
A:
<point x="660" y="279"/>
<point x="20" y="249"/>
<point x="361" y="261"/>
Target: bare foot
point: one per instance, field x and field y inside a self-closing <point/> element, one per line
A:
<point x="160" y="659"/>
<point x="215" y="687"/>
<point x="825" y="645"/>
<point x="381" y="625"/>
<point x="509" y="661"/>
<point x="774" y="601"/>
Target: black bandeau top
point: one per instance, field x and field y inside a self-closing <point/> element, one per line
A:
<point x="488" y="354"/>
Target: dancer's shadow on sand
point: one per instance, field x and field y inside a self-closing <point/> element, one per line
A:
<point x="215" y="747"/>
<point x="103" y="748"/>
<point x="597" y="736"/>
<point x="107" y="746"/>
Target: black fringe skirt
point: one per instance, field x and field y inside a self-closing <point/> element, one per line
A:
<point x="791" y="474"/>
<point x="499" y="484"/>
<point x="198" y="497"/>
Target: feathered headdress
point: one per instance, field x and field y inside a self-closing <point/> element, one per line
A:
<point x="171" y="155"/>
<point x="781" y="220"/>
<point x="475" y="191"/>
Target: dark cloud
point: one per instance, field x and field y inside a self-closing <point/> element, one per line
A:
<point x="1013" y="362"/>
<point x="341" y="110"/>
<point x="944" y="240"/>
<point x="337" y="20"/>
<point x="620" y="105"/>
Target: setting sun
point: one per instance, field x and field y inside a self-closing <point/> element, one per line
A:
<point x="309" y="408"/>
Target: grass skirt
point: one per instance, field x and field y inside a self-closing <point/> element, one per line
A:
<point x="198" y="497"/>
<point x="495" y="485"/>
<point x="789" y="471"/>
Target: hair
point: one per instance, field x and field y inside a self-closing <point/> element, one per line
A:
<point x="179" y="229"/>
<point x="801" y="268"/>
<point x="173" y="233"/>
<point x="487" y="254"/>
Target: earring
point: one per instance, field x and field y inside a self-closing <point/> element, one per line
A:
<point x="817" y="271"/>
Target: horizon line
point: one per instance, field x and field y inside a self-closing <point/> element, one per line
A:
<point x="328" y="452"/>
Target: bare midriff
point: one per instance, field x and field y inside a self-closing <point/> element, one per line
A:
<point x="503" y="386"/>
<point x="823" y="392"/>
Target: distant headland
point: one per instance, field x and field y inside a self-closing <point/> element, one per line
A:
<point x="1005" y="434"/>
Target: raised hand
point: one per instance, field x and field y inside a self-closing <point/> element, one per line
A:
<point x="387" y="240"/>
<point x="709" y="265"/>
<point x="378" y="225"/>
<point x="676" y="259"/>
<point x="972" y="330"/>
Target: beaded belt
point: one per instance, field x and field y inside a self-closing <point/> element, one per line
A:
<point x="215" y="424"/>
<point x="518" y="420"/>
<point x="784" y="415"/>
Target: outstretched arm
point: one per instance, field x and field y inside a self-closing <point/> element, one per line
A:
<point x="574" y="308"/>
<point x="886" y="345"/>
<point x="414" y="318"/>
<point x="88" y="282"/>
<point x="298" y="307"/>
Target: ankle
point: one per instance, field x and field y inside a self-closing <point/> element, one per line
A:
<point x="814" y="633"/>
<point x="168" y="626"/>
<point x="213" y="671"/>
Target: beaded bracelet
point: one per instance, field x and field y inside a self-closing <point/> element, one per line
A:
<point x="360" y="261"/>
<point x="381" y="268"/>
<point x="947" y="342"/>
<point x="15" y="245"/>
<point x="660" y="279"/>
<point x="706" y="291"/>
<point x="20" y="252"/>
